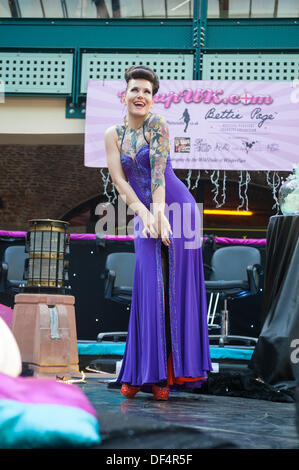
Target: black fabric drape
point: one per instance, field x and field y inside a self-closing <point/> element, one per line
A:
<point x="271" y="359"/>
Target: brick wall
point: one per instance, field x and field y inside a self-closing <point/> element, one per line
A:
<point x="43" y="182"/>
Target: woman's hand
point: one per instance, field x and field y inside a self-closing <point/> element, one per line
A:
<point x="149" y="224"/>
<point x="163" y="227"/>
<point x="156" y="226"/>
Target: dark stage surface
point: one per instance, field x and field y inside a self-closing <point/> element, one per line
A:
<point x="190" y="421"/>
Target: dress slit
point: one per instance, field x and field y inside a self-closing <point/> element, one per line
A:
<point x="171" y="379"/>
<point x="165" y="275"/>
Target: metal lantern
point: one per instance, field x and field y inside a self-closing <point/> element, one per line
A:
<point x="48" y="246"/>
<point x="43" y="324"/>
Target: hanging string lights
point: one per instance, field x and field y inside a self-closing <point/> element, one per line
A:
<point x="218" y="187"/>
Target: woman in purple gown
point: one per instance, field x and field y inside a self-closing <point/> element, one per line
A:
<point x="167" y="344"/>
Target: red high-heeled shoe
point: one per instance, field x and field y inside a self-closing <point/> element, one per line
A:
<point x="129" y="391"/>
<point x="160" y="393"/>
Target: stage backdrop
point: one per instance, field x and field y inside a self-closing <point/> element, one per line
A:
<point x="214" y="125"/>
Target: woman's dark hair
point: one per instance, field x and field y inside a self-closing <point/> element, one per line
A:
<point x="142" y="71"/>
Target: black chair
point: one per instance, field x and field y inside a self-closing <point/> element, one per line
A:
<point x="118" y="285"/>
<point x="235" y="272"/>
<point x="12" y="269"/>
<point x="119" y="274"/>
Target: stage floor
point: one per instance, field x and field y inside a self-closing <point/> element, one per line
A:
<point x="189" y="421"/>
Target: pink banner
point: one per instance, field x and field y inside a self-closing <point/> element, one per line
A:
<point x="214" y="125"/>
<point x="92" y="236"/>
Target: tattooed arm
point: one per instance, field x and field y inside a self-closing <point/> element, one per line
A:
<point x="159" y="147"/>
<point x="118" y="177"/>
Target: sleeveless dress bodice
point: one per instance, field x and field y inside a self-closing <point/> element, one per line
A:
<point x="138" y="172"/>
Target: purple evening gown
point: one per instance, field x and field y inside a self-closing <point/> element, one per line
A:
<point x="145" y="356"/>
